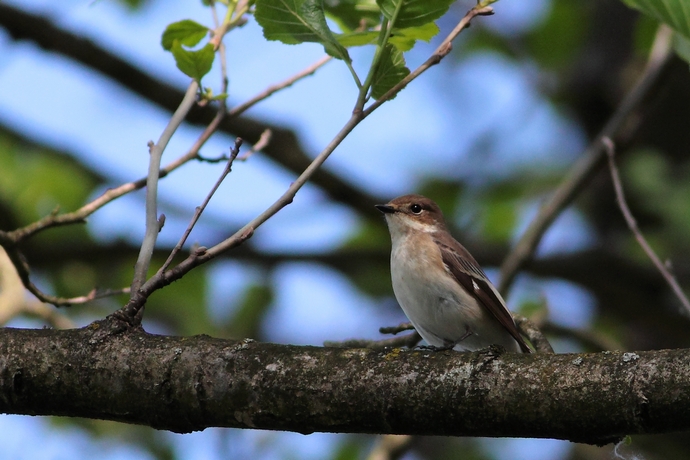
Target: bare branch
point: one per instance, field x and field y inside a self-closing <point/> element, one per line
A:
<point x="23" y="272"/>
<point x="591" y="159"/>
<point x="156" y="152"/>
<point x="285" y="151"/>
<point x="263" y="141"/>
<point x="79" y="216"/>
<point x="632" y="224"/>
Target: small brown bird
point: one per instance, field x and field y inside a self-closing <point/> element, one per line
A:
<point x="440" y="287"/>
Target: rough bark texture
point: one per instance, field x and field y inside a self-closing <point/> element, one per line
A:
<point x="184" y="384"/>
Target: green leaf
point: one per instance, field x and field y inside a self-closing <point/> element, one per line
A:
<point x="358" y="38"/>
<point x="405" y="39"/>
<point x="195" y="64"/>
<point x="414" y="13"/>
<point x="298" y="21"/>
<point x="390" y="71"/>
<point x="402" y="39"/>
<point x="187" y="32"/>
<point x="675" y="13"/>
<point x="351" y="15"/>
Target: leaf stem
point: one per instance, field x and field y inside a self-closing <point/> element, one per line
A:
<point x="384" y="35"/>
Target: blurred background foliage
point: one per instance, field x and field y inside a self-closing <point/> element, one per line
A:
<point x="591" y="287"/>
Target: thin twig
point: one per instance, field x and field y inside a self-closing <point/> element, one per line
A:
<point x="588" y="163"/>
<point x="200" y="209"/>
<point x="632" y="224"/>
<point x="263" y="141"/>
<point x="397" y="329"/>
<point x="409" y="341"/>
<point x="156" y="152"/>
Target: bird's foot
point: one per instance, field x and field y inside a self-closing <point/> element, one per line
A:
<point x="435" y="348"/>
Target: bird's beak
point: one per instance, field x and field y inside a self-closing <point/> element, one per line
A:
<point x="384" y="208"/>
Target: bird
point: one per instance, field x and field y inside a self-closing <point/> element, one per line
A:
<point x="439" y="285"/>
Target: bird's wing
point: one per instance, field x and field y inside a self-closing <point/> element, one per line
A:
<point x="469" y="274"/>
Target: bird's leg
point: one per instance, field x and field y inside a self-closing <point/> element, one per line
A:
<point x="468" y="333"/>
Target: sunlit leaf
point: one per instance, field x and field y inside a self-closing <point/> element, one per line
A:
<point x="353" y="14"/>
<point x="298" y="21"/>
<point x="414" y="13"/>
<point x="187" y="32"/>
<point x="357" y="38"/>
<point x="194" y="64"/>
<point x="404" y="39"/>
<point x="390" y="71"/>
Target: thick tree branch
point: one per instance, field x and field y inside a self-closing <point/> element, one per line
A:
<point x="191" y="383"/>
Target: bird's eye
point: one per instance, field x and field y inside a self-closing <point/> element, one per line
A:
<point x="416" y="208"/>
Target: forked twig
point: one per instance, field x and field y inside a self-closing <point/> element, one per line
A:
<point x="632" y="225"/>
<point x="200" y="209"/>
<point x="261" y="144"/>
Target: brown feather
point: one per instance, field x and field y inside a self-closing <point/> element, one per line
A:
<point x="469" y="274"/>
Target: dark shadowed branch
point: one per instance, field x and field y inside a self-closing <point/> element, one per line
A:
<point x="593" y="158"/>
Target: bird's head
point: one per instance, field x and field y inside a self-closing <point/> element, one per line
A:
<point x="412" y="213"/>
